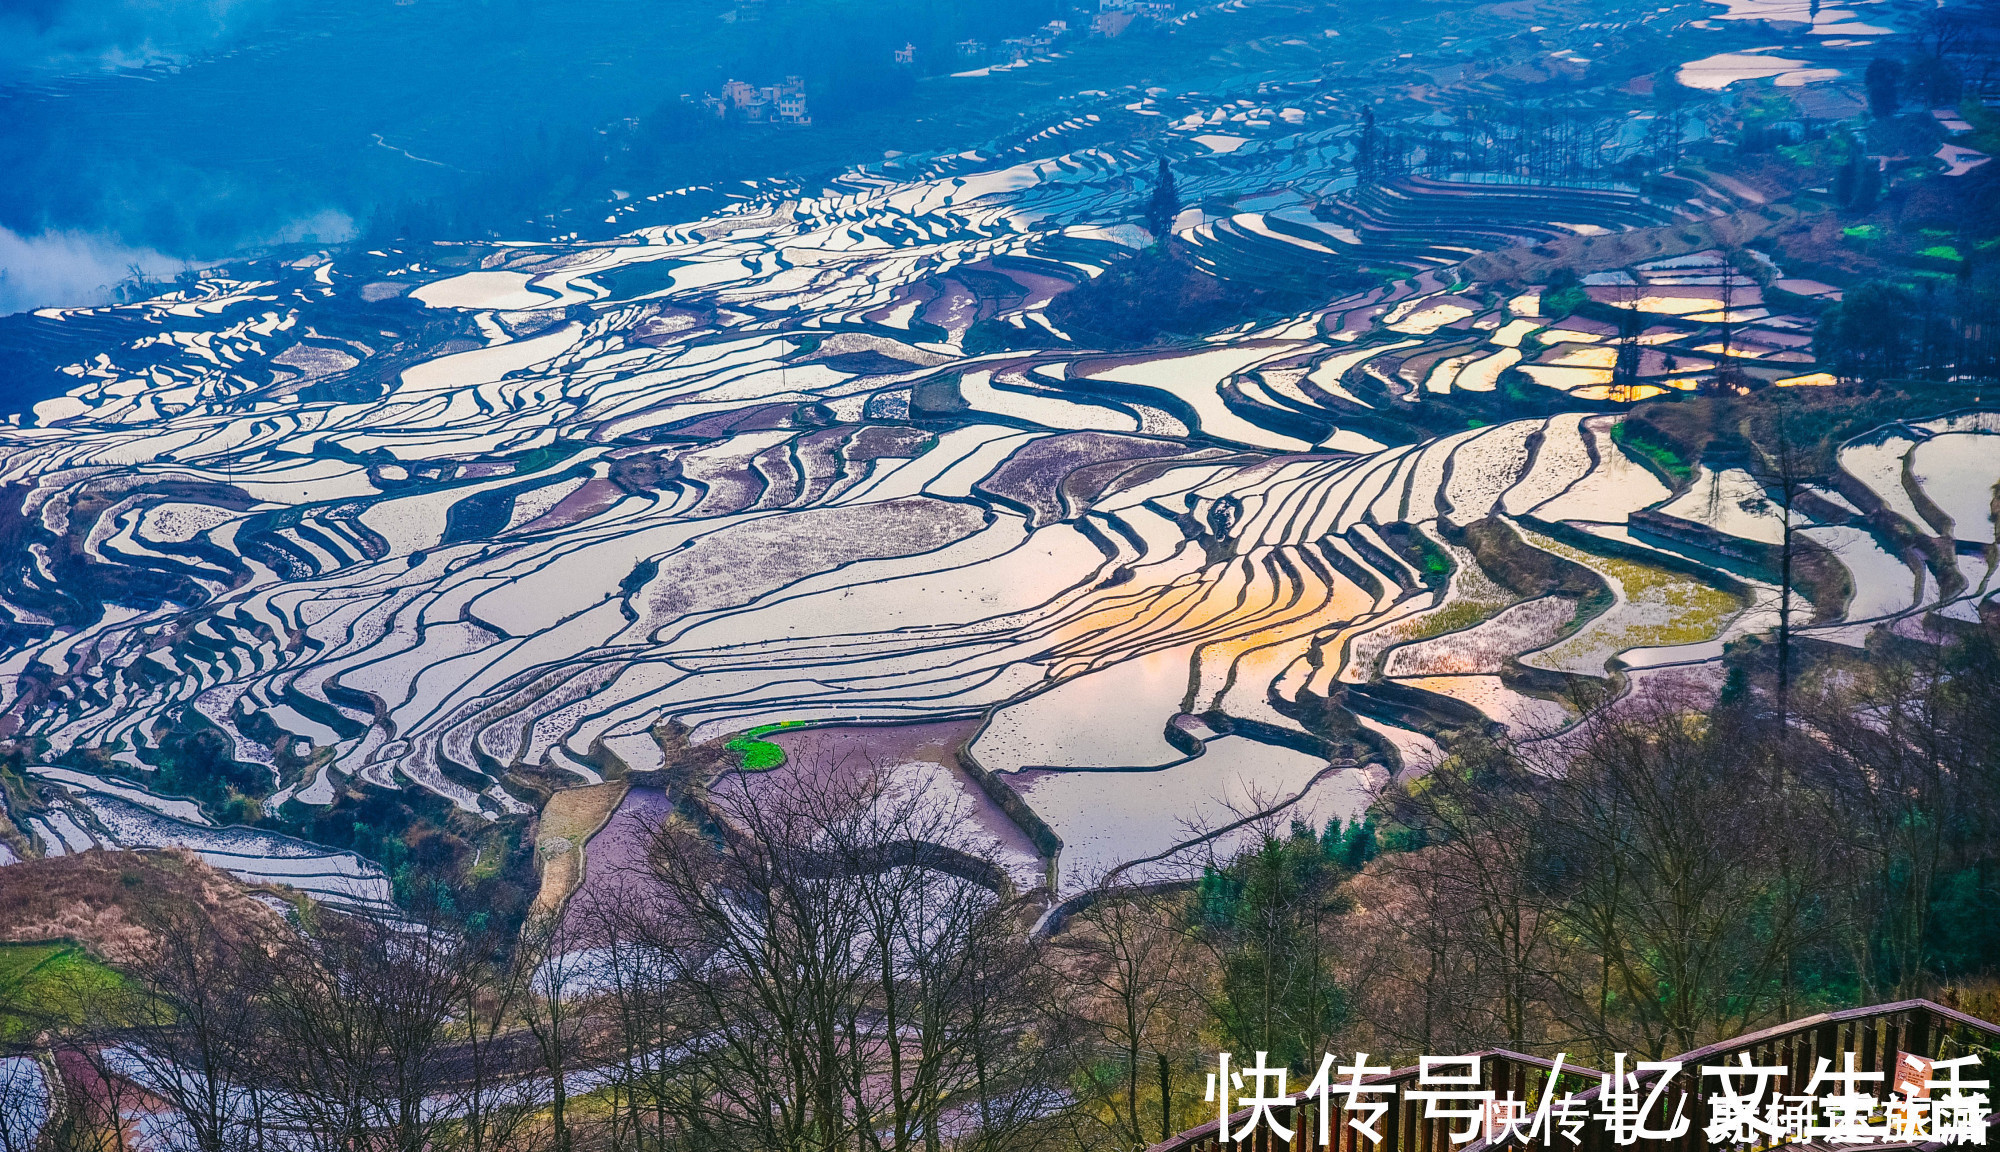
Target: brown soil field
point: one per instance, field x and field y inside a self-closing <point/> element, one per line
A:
<point x="568" y="821"/>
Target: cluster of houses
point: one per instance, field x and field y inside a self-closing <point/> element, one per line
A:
<point x="781" y="104"/>
<point x="785" y="104"/>
<point x="1014" y="49"/>
<point x="1111" y="18"/>
<point x="1114" y="16"/>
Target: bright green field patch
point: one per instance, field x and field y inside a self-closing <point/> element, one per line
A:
<point x="761" y="755"/>
<point x="1862" y="232"/>
<point x="42" y="984"/>
<point x="1940" y="252"/>
<point x="755" y="755"/>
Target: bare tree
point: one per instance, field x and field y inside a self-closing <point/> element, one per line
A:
<point x="496" y="1111"/>
<point x="1127" y="961"/>
<point x="1904" y="751"/>
<point x="91" y="1099"/>
<point x="1410" y="963"/>
<point x="1686" y="865"/>
<point x="193" y="1032"/>
<point x="645" y="1009"/>
<point x="27" y="1101"/>
<point x="556" y="978"/>
<point x="1631" y="322"/>
<point x="1785" y="463"/>
<point x="1481" y="815"/>
<point x="363" y="1009"/>
<point x="828" y="959"/>
<point x="1727" y="374"/>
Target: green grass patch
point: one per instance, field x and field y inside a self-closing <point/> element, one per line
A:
<point x="761" y="755"/>
<point x="1803" y="155"/>
<point x="1673" y="609"/>
<point x="1634" y="439"/>
<point x="1432" y="561"/>
<point x="1862" y="232"/>
<point x="1941" y="252"/>
<point x="49" y="983"/>
<point x="540" y="458"/>
<point x="1563" y="301"/>
<point x="756" y="755"/>
<point x="489" y="857"/>
<point x="1985" y="123"/>
<point x="1454" y="617"/>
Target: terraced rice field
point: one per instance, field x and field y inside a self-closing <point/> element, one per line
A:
<point x="1731" y="502"/>
<point x="1520" y="713"/>
<point x="1486" y="646"/>
<point x="1652" y="607"/>
<point x="1166" y="820"/>
<point x="88" y="813"/>
<point x="429" y="519"/>
<point x="1958" y="471"/>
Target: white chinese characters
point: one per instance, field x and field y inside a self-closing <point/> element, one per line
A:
<point x="1746" y="1103"/>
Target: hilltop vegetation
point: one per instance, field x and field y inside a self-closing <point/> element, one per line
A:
<point x="1151" y="294"/>
<point x="109" y="903"/>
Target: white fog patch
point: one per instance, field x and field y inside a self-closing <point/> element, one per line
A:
<point x="327" y="226"/>
<point x="70" y="268"/>
<point x="71" y="36"/>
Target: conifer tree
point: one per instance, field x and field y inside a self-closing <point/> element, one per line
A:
<point x="1165" y="204"/>
<point x="1884" y="79"/>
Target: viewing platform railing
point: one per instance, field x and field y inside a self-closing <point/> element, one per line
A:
<point x="1878" y="1035"/>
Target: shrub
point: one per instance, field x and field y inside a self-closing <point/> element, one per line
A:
<point x="1151" y="294"/>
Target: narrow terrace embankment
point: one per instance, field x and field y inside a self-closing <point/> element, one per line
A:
<point x="1623" y="249"/>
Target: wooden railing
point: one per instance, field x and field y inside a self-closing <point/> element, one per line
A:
<point x="1877" y="1036"/>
